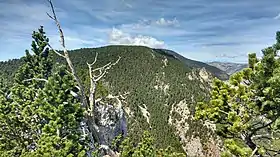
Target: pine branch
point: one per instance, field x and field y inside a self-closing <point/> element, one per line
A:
<point x="262" y="127"/>
<point x="1" y="91"/>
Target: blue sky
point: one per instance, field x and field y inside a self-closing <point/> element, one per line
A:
<point x="205" y="30"/>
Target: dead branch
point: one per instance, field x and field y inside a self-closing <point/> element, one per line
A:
<point x="57" y="24"/>
<point x="95" y="59"/>
<point x="66" y="55"/>
<point x="120" y="97"/>
<point x="88" y="118"/>
<point x="103" y="70"/>
<point x="61" y="55"/>
<point x="37" y="79"/>
<point x="94" y="80"/>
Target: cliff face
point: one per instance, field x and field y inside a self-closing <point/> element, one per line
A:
<point x="110" y="122"/>
<point x="195" y="140"/>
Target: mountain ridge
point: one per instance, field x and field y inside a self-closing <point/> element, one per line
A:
<point x="229" y="67"/>
<point x="198" y="64"/>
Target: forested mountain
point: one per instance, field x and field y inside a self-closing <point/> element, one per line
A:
<point x="163" y="89"/>
<point x="216" y="71"/>
<point x="229" y="68"/>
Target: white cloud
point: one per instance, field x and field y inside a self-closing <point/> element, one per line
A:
<point x="117" y="36"/>
<point x="277" y="17"/>
<point x="166" y="22"/>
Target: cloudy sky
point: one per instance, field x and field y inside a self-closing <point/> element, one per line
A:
<point x="205" y="30"/>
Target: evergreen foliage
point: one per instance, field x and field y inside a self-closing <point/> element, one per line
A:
<point x="246" y="109"/>
<point x="39" y="116"/>
<point x="145" y="147"/>
<point x="61" y="114"/>
<point x="19" y="119"/>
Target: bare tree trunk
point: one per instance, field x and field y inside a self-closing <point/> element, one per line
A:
<point x="89" y="119"/>
<point x="92" y="91"/>
<point x="82" y="90"/>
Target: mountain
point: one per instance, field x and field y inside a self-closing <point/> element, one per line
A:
<point x="216" y="71"/>
<point x="163" y="90"/>
<point x="229" y="68"/>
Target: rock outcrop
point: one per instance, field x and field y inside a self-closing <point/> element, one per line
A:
<point x="110" y="121"/>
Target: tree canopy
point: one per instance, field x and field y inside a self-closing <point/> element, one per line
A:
<point x="38" y="115"/>
<point x="246" y="109"/>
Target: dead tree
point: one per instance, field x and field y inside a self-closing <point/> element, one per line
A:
<point x="95" y="74"/>
<point x="94" y="78"/>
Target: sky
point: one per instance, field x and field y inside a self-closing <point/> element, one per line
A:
<point x="204" y="30"/>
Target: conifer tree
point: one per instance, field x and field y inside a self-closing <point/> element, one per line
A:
<point x="41" y="116"/>
<point x="246" y="109"/>
<point x="61" y="114"/>
<point x="19" y="119"/>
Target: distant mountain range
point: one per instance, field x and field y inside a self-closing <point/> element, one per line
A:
<point x="229" y="68"/>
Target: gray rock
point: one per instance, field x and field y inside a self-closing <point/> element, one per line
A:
<point x="110" y="121"/>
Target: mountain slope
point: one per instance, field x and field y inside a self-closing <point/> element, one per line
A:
<point x="229" y="68"/>
<point x="216" y="71"/>
<point x="163" y="92"/>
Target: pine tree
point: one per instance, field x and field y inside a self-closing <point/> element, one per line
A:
<point x="61" y="114"/>
<point x="40" y="116"/>
<point x="36" y="66"/>
<point x="246" y="109"/>
<point x="19" y="120"/>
